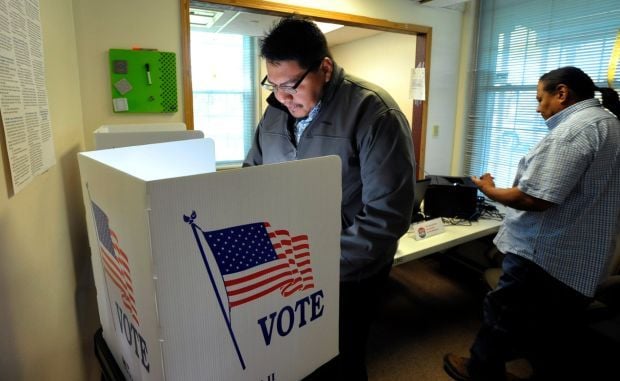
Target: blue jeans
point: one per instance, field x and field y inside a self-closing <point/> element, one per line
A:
<point x="529" y="314"/>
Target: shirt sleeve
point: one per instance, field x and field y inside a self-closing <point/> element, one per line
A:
<point x="554" y="168"/>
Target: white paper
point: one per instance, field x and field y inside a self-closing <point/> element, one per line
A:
<point x="23" y="94"/>
<point x="120" y="104"/>
<point x="418" y="84"/>
<point x="427" y="229"/>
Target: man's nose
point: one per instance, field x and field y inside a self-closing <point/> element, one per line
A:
<point x="281" y="94"/>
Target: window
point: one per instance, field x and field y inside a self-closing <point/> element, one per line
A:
<point x="222" y="14"/>
<point x="224" y="85"/>
<point x="518" y="41"/>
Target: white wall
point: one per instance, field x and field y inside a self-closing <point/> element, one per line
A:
<point x="445" y="60"/>
<point x="385" y="59"/>
<point x="102" y="25"/>
<point x="468" y="34"/>
<point x="48" y="311"/>
<point x="48" y="315"/>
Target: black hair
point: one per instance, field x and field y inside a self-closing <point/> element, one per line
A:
<point x="610" y="100"/>
<point x="297" y="39"/>
<point x="580" y="87"/>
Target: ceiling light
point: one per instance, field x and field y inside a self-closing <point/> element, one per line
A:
<point x="205" y="18"/>
<point x="327" y="27"/>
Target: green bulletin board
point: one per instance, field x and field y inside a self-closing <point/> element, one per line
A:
<point x="143" y="81"/>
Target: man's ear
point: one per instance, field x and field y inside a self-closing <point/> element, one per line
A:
<point x="327" y="67"/>
<point x="562" y="92"/>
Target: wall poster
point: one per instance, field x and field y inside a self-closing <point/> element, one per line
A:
<point x="24" y="108"/>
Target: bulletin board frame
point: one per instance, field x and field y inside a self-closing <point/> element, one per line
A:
<point x="143" y="81"/>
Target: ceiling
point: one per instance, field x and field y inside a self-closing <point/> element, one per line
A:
<point x="452" y="4"/>
<point x="256" y="24"/>
<point x="227" y="19"/>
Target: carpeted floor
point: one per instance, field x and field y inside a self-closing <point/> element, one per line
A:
<point x="432" y="307"/>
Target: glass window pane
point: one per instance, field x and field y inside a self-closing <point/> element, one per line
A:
<point x="224" y="88"/>
<point x="518" y="42"/>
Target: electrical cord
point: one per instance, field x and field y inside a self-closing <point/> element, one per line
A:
<point x="488" y="211"/>
<point x="456" y="221"/>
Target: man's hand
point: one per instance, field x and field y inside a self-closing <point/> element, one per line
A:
<point x="484" y="182"/>
<point x="512" y="197"/>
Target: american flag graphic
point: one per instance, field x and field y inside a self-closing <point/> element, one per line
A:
<point x="115" y="261"/>
<point x="255" y="260"/>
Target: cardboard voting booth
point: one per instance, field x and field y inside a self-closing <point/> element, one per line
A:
<point x="125" y="135"/>
<point x="205" y="275"/>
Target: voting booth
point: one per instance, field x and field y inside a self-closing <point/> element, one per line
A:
<point x="125" y="135"/>
<point x="205" y="275"/>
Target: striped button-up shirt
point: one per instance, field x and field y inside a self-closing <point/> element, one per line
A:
<point x="301" y="124"/>
<point x="577" y="167"/>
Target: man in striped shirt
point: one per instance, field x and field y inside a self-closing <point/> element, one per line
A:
<point x="557" y="237"/>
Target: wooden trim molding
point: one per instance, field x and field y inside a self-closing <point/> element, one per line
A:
<point x="186" y="67"/>
<point x="420" y="108"/>
<point x="279" y="9"/>
<point x="423" y="49"/>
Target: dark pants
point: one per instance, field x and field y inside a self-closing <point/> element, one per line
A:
<point x="359" y="303"/>
<point x="532" y="315"/>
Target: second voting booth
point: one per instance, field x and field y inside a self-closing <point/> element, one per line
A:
<point x="125" y="135"/>
<point x="205" y="275"/>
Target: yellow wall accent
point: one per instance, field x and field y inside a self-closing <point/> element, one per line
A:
<point x="613" y="61"/>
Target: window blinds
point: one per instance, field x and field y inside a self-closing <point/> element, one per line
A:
<point x="518" y="41"/>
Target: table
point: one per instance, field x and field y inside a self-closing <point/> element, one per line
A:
<point x="409" y="249"/>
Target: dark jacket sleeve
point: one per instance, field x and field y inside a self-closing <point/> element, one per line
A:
<point x="255" y="154"/>
<point x="387" y="168"/>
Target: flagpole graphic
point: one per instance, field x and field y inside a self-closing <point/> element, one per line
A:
<point x="253" y="260"/>
<point x="190" y="220"/>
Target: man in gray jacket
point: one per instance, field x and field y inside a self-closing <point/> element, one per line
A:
<point x="315" y="109"/>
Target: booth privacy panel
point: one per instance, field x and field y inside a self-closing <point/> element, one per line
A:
<point x="228" y="275"/>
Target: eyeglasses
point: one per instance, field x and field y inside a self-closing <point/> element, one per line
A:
<point x="287" y="89"/>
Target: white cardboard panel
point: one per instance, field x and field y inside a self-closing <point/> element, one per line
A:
<point x="123" y="199"/>
<point x="125" y="135"/>
<point x="161" y="160"/>
<point x="180" y="331"/>
<point x="277" y="194"/>
<point x="126" y="139"/>
<point x="173" y="126"/>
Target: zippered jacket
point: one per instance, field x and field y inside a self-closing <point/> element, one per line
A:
<point x="362" y="124"/>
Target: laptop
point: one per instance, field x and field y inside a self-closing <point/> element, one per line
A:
<point x="418" y="197"/>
